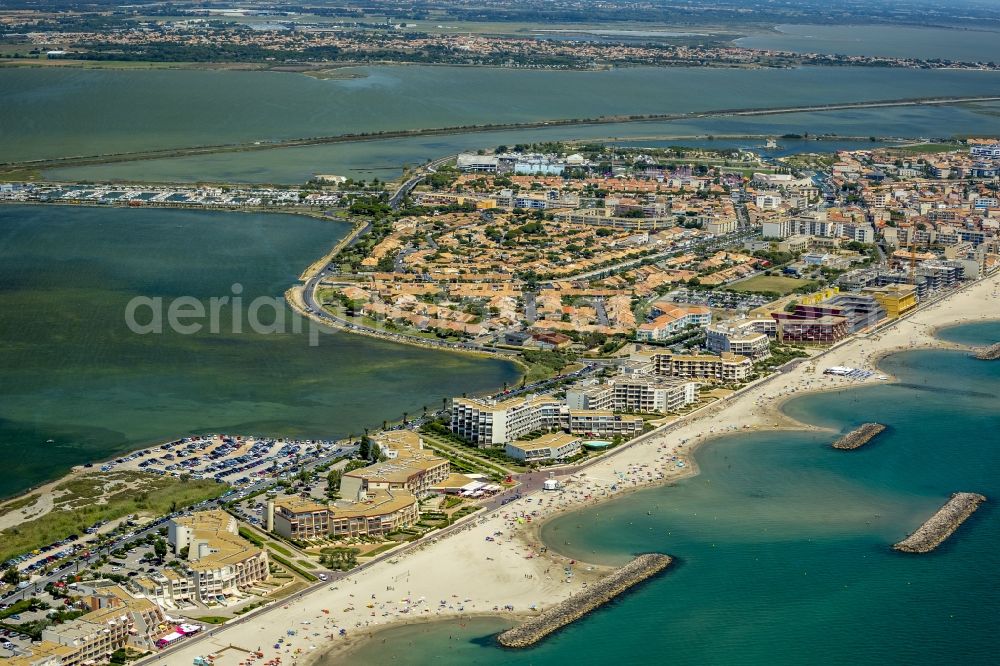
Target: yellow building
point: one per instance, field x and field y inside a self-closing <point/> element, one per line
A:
<point x="896" y="299"/>
<point x="409" y="467"/>
<point x="117" y="620"/>
<point x="378" y="512"/>
<point x="550" y="446"/>
<point x="220" y="563"/>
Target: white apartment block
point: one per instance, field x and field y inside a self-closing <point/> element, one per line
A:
<point x="746" y="337"/>
<point x="489" y="423"/>
<point x="634" y="393"/>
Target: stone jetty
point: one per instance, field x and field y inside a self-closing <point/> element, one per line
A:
<point x="990" y="353"/>
<point x="940" y="526"/>
<point x="859" y="436"/>
<point x="643" y="567"/>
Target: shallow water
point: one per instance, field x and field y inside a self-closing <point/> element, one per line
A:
<point x="62" y="111"/>
<point x="978" y="45"/>
<point x="71" y="371"/>
<point x="784" y="543"/>
<point x="384" y="159"/>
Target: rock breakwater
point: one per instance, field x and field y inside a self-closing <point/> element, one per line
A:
<point x="942" y="524"/>
<point x="641" y="568"/>
<point x="990" y="353"/>
<point x="859" y="436"/>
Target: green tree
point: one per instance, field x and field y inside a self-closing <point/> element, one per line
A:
<point x="160" y="549"/>
<point x="333" y="481"/>
<point x="11" y="576"/>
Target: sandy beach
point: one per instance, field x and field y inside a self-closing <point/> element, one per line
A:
<point x="496" y="564"/>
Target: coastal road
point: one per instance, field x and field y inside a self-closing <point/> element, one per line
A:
<point x="407" y="185"/>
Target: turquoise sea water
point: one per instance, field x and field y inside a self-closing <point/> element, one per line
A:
<point x="77" y="385"/>
<point x="783" y="543"/>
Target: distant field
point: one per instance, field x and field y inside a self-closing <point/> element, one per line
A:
<point x="928" y="148"/>
<point x="776" y="283"/>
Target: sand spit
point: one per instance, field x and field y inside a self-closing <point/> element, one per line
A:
<point x="858" y="437"/>
<point x="942" y="524"/>
<point x="641" y="568"/>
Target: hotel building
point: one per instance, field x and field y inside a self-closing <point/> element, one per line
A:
<point x="489" y="423"/>
<point x="634" y="393"/>
<point x="550" y="446"/>
<point x="409" y="467"/>
<point x="379" y="513"/>
<point x="745" y="337"/>
<point x="725" y="367"/>
<point x="219" y="562"/>
<point x="671" y="319"/>
<point x="896" y="299"/>
<point x="117" y="620"/>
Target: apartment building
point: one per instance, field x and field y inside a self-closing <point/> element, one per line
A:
<point x="671" y="319"/>
<point x="490" y="423"/>
<point x="299" y="518"/>
<point x="805" y="328"/>
<point x="550" y="446"/>
<point x="216" y="562"/>
<point x="593" y="396"/>
<point x="726" y="367"/>
<point x="896" y="299"/>
<point x="861" y="310"/>
<point x="652" y="394"/>
<point x="745" y="337"/>
<point x="117" y="620"/>
<point x="378" y="513"/>
<point x="601" y="423"/>
<point x="633" y="393"/>
<point x="415" y="473"/>
<point x="603" y="217"/>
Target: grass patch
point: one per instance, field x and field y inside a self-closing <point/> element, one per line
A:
<point x="306" y="563"/>
<point x="211" y="619"/>
<point x="278" y="548"/>
<point x="19" y="503"/>
<point x="919" y="148"/>
<point x="250" y="607"/>
<point x="294" y="568"/>
<point x="20" y="175"/>
<point x="777" y="284"/>
<point x="381" y="549"/>
<point x="131" y="492"/>
<point x="251" y="536"/>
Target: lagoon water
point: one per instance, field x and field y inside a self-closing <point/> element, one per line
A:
<point x="63" y="111"/>
<point x="72" y="372"/>
<point x="980" y="44"/>
<point x="384" y="159"/>
<point x="784" y="543"/>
